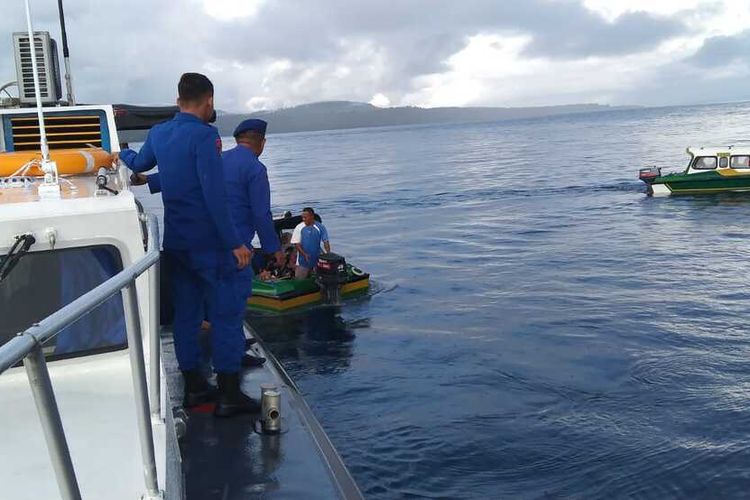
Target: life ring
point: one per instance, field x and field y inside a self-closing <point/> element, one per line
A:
<point x="69" y="161"/>
<point x="357" y="271"/>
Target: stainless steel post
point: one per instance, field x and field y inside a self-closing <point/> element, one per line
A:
<point x="155" y="346"/>
<point x="66" y="55"/>
<point x="40" y="115"/>
<point x="49" y="416"/>
<point x="138" y="369"/>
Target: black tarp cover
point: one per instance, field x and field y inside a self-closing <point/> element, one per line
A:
<point x="129" y="117"/>
<point x="286" y="223"/>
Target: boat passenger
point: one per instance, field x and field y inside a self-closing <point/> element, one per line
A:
<point x="202" y="248"/>
<point x="307" y="237"/>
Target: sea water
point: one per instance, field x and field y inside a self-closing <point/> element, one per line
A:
<point x="538" y="326"/>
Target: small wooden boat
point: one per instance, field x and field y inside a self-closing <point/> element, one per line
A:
<point x="333" y="280"/>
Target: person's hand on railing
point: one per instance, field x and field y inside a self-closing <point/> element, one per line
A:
<point x="138" y="179"/>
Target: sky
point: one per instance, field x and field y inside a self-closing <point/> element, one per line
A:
<point x="268" y="54"/>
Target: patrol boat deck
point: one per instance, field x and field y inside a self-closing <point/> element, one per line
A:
<point x="234" y="459"/>
<point x="79" y="280"/>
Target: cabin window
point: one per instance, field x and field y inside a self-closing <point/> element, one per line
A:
<point x="704" y="163"/>
<point x="740" y="161"/>
<point x="43" y="282"/>
<point x="723" y="162"/>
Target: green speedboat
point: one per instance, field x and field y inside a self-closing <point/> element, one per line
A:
<point x="334" y="279"/>
<point x="710" y="170"/>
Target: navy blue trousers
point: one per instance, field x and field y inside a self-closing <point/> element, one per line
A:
<point x="205" y="284"/>
<point x="244" y="287"/>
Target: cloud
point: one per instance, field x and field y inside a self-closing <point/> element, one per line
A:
<point x="228" y="10"/>
<point x="380" y="100"/>
<point x="270" y="53"/>
<point x="723" y="50"/>
<point x="588" y="36"/>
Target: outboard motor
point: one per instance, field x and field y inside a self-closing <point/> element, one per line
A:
<point x="331" y="274"/>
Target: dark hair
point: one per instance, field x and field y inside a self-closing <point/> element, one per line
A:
<point x="194" y="87"/>
<point x="309" y="209"/>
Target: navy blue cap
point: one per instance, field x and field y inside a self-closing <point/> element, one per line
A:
<point x="252" y="124"/>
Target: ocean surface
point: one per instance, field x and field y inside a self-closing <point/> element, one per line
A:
<point x="538" y="327"/>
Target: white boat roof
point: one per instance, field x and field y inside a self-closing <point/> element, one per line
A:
<point x="718" y="151"/>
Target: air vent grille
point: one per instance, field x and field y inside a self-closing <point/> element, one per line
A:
<point x="70" y="131"/>
<point x="47" y="67"/>
<point x="27" y="69"/>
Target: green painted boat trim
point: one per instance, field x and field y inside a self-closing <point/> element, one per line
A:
<point x="284" y="288"/>
<point x="282" y="295"/>
<point x="279" y="306"/>
<point x="704" y="182"/>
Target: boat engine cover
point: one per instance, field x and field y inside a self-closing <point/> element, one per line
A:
<point x="331" y="274"/>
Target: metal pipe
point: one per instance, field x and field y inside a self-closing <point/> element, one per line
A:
<point x="154" y="338"/>
<point x="37" y="92"/>
<point x="138" y="370"/>
<point x="66" y="55"/>
<point x="15" y="349"/>
<point x="5" y="86"/>
<point x="49" y="417"/>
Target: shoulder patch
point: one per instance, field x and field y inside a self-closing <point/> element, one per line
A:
<point x="218" y="145"/>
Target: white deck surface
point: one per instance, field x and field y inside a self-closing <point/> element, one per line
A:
<point x="95" y="397"/>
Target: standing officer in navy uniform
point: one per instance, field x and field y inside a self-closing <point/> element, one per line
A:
<point x="201" y="246"/>
<point x="249" y="196"/>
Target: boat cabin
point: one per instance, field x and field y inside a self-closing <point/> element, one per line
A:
<point x="707" y="159"/>
<point x="53" y="250"/>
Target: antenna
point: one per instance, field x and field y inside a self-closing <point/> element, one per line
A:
<point x="50" y="188"/>
<point x="66" y="56"/>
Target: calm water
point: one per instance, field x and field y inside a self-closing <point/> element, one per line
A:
<point x="540" y="327"/>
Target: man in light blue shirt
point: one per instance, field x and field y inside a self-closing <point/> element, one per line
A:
<point x="307" y="237"/>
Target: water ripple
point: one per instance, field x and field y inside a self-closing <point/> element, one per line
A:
<point x="538" y="328"/>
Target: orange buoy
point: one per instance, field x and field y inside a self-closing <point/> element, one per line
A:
<point x="69" y="161"/>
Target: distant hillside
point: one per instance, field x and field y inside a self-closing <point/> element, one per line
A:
<point x="334" y="115"/>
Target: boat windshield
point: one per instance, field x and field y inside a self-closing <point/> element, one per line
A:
<point x="705" y="163"/>
<point x="43" y="282"/>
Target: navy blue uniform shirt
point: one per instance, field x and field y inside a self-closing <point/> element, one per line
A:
<point x="188" y="152"/>
<point x="249" y="197"/>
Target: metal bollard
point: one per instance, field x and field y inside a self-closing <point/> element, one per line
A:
<point x="270" y="411"/>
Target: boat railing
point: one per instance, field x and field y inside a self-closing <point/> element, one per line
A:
<point x="27" y="347"/>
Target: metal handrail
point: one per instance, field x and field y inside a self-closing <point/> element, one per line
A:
<point x="27" y="346"/>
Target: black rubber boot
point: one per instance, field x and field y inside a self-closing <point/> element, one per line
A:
<point x="250" y="361"/>
<point x="232" y="401"/>
<point x="197" y="389"/>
